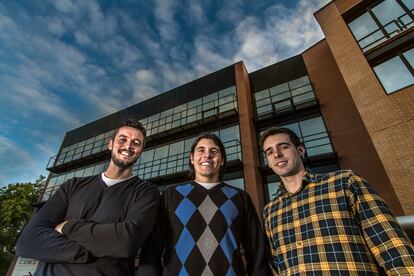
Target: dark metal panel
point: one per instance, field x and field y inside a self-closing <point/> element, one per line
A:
<point x="278" y="73"/>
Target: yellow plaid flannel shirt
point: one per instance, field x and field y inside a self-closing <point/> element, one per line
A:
<point x="335" y="225"/>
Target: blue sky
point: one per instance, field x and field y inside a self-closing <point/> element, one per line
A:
<point x="64" y="63"/>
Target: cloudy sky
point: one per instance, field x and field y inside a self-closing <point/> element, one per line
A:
<point x="64" y="63"/>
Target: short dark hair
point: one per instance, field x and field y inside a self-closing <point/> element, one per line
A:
<point x="217" y="141"/>
<point x="278" y="130"/>
<point x="131" y="123"/>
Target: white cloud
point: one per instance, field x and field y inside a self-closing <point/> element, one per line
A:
<point x="195" y="12"/>
<point x="206" y="58"/>
<point x="82" y="38"/>
<point x="64" y="6"/>
<point x="231" y="11"/>
<point x="164" y="12"/>
<point x="146" y="76"/>
<point x="281" y="33"/>
<point x="55" y="26"/>
<point x="17" y="164"/>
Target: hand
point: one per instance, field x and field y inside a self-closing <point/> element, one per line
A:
<point x="60" y="226"/>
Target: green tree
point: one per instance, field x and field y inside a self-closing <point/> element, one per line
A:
<point x="15" y="211"/>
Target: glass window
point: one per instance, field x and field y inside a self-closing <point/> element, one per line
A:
<point x="387" y="11"/>
<point x="279" y="89"/>
<point x="237" y="183"/>
<point x="161" y="152"/>
<point x="230" y="133"/>
<point x="409" y="56"/>
<point x="176" y="148"/>
<point x="272" y="189"/>
<point x="147" y="156"/>
<point x="409" y="4"/>
<point x="363" y="26"/>
<point x="299" y="82"/>
<point x="227" y="91"/>
<point x="394" y="75"/>
<point x="166" y="113"/>
<point x="312" y="126"/>
<point x="209" y="98"/>
<point x="188" y="144"/>
<point x="99" y="168"/>
<point x="261" y="95"/>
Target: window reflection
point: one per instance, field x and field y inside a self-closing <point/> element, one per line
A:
<point x="284" y="97"/>
<point x="237" y="183"/>
<point x="387" y="11"/>
<point x="173" y="158"/>
<point x="394" y="74"/>
<point x="313" y="134"/>
<point x="409" y="55"/>
<point x="382" y="22"/>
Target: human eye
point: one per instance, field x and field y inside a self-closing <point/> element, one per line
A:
<point x="215" y="151"/>
<point x="136" y="143"/>
<point x="268" y="152"/>
<point x="122" y="140"/>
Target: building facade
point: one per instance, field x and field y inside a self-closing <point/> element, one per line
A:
<point x="349" y="98"/>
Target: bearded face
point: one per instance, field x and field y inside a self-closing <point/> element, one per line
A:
<point x="126" y="147"/>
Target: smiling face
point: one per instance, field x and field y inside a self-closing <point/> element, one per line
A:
<point x="283" y="157"/>
<point x="207" y="160"/>
<point x="126" y="147"/>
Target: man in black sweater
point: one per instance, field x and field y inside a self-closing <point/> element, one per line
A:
<point x="95" y="225"/>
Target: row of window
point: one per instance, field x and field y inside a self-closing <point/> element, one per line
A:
<point x="173" y="158"/>
<point x="382" y="22"/>
<point x="313" y="135"/>
<point x="85" y="148"/>
<point x="187" y="113"/>
<point x="159" y="161"/>
<point x="285" y="96"/>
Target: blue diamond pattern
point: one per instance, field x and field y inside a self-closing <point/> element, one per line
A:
<point x="228" y="244"/>
<point x="231" y="272"/>
<point x="185" y="210"/>
<point x="229" y="211"/>
<point x="185" y="189"/>
<point x="228" y="191"/>
<point x="183" y="272"/>
<point x="184" y="245"/>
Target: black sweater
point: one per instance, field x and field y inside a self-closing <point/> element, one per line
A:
<point x="106" y="227"/>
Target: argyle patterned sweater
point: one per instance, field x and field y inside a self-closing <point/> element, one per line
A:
<point x="203" y="230"/>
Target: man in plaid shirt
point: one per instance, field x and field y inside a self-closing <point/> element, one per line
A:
<point x="328" y="224"/>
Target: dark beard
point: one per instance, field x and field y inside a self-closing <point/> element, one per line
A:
<point x="123" y="164"/>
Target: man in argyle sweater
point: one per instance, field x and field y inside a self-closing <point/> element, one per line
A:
<point x="202" y="223"/>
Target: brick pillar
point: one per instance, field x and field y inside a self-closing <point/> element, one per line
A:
<point x="252" y="176"/>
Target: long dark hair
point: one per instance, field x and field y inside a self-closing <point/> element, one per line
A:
<point x="217" y="141"/>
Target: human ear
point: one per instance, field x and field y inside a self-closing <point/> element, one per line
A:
<point x="110" y="144"/>
<point x="301" y="150"/>
<point x="192" y="159"/>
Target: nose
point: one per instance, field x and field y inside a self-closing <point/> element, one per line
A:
<point x="278" y="153"/>
<point x="128" y="144"/>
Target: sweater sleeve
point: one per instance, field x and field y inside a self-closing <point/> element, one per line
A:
<point x="119" y="239"/>
<point x="150" y="259"/>
<point x="39" y="239"/>
<point x="254" y="241"/>
<point x="384" y="236"/>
